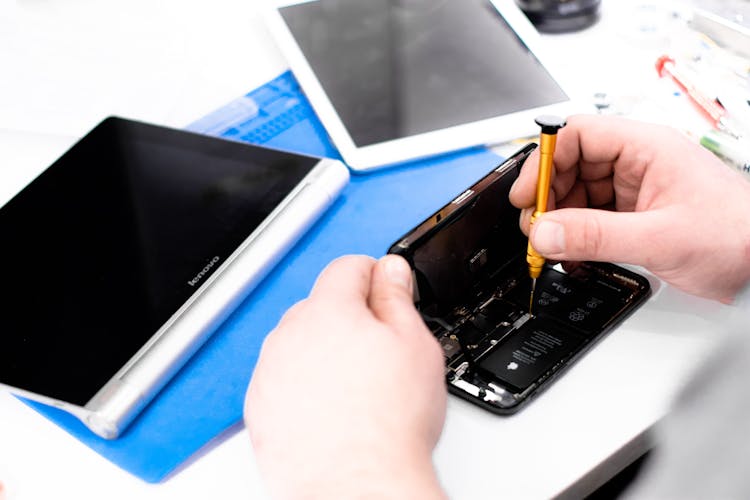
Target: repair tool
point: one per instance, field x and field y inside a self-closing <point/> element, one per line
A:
<point x="547" y="140"/>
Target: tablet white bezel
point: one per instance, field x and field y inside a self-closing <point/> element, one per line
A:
<point x="487" y="131"/>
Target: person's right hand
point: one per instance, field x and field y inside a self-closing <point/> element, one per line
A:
<point x="659" y="200"/>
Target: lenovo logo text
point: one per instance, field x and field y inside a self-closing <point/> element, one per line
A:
<point x="203" y="271"/>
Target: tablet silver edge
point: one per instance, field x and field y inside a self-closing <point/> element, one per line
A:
<point x="122" y="398"/>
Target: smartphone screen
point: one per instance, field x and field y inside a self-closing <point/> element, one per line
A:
<point x="473" y="290"/>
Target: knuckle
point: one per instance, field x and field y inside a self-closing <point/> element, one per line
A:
<point x="591" y="237"/>
<point x="525" y="220"/>
<point x="390" y="299"/>
<point x="347" y="263"/>
<point x="296" y="314"/>
<point x="296" y="311"/>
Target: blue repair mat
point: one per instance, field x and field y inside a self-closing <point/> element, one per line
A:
<point x="206" y="397"/>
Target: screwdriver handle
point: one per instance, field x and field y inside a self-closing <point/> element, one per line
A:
<point x="547" y="142"/>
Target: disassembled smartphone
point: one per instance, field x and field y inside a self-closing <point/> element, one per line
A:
<point x="472" y="289"/>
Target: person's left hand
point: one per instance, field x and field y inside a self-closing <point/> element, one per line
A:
<point x="348" y="396"/>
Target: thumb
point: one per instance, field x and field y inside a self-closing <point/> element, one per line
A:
<point x="601" y="235"/>
<point x="391" y="299"/>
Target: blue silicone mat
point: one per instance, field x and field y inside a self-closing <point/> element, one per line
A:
<point x="206" y="396"/>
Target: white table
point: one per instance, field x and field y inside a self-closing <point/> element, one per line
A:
<point x="66" y="65"/>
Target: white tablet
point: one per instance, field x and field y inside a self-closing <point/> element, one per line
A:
<point x="125" y="254"/>
<point x="395" y="81"/>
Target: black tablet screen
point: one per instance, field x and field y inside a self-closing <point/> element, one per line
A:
<point x="106" y="244"/>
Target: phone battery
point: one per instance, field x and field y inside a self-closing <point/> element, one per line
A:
<point x="529" y="353"/>
<point x="582" y="305"/>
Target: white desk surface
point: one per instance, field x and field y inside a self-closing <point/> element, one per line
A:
<point x="66" y="65"/>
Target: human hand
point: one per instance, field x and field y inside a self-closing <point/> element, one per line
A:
<point x="348" y="396"/>
<point x="659" y="201"/>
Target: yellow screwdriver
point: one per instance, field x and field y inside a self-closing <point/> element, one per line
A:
<point x="547" y="140"/>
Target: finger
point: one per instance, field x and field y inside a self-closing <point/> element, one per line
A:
<point x="600" y="192"/>
<point x="346" y="280"/>
<point x="564" y="172"/>
<point x="526" y="213"/>
<point x="593" y="194"/>
<point x="591" y="147"/>
<point x="564" y="175"/>
<point x="523" y="191"/>
<point x="596" y="143"/>
<point x="576" y="198"/>
<point x="391" y="297"/>
<point x="525" y="220"/>
<point x="601" y="235"/>
<point x="291" y="316"/>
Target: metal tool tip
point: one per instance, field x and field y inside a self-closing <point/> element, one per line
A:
<point x="531" y="297"/>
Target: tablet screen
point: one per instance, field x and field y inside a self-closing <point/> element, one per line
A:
<point x="107" y="244"/>
<point x="397" y="69"/>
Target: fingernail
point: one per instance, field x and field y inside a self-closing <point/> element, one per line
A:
<point x="397" y="271"/>
<point x="549" y="237"/>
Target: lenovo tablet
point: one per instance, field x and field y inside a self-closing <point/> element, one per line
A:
<point x="125" y="254"/>
<point x="394" y="81"/>
<point x="472" y="289"/>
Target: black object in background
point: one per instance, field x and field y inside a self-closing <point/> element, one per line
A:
<point x="561" y="16"/>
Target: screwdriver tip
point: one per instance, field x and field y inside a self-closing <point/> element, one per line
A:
<point x="531" y="297"/>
